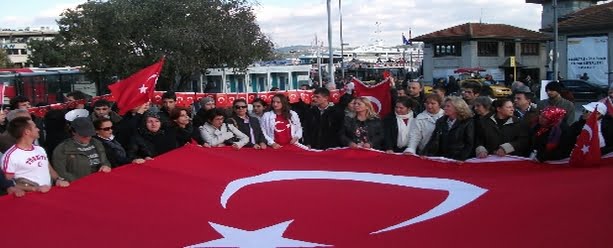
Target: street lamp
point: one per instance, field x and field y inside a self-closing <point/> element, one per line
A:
<point x="330" y="53"/>
<point x="554" y="60"/>
<point x="340" y="13"/>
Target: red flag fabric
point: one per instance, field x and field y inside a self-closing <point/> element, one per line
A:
<point x="221" y="100"/>
<point x="220" y="197"/>
<point x="293" y="96"/>
<point x="137" y="88"/>
<point x="306" y="96"/>
<point x="379" y="95"/>
<point x="587" y="150"/>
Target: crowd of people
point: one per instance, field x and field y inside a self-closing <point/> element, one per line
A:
<point x="67" y="145"/>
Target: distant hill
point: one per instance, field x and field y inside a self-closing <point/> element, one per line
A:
<point x="297" y="48"/>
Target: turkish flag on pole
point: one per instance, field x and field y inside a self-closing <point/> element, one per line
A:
<point x="136" y="89"/>
<point x="379" y="95"/>
<point x="587" y="150"/>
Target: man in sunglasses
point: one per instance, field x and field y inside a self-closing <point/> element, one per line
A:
<point x="102" y="110"/>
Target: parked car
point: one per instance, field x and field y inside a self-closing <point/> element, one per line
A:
<point x="585" y="90"/>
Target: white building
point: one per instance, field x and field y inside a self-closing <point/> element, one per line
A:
<point x="486" y="46"/>
<point x="15" y="43"/>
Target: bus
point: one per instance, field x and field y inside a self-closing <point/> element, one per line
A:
<point x="44" y="85"/>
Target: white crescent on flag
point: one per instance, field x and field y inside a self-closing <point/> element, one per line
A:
<point x="376" y="102"/>
<point x="460" y="193"/>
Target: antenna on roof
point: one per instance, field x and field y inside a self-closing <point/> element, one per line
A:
<point x="481" y="17"/>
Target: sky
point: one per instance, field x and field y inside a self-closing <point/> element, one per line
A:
<point x="297" y="22"/>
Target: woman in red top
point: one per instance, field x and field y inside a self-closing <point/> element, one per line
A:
<point x="281" y="126"/>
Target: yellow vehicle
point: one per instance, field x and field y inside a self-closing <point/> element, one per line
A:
<point x="467" y="75"/>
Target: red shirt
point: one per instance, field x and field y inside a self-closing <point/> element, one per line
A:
<point x="283" y="130"/>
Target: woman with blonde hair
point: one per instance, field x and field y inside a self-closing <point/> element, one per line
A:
<point x="454" y="133"/>
<point x="365" y="129"/>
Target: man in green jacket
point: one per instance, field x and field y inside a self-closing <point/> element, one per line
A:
<point x="80" y="155"/>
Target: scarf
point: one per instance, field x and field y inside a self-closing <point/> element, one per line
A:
<point x="403" y="129"/>
<point x="553" y="117"/>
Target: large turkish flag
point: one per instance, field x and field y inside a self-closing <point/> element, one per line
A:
<point x="220" y="197"/>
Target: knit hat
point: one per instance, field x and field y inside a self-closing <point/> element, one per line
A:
<point x="205" y="100"/>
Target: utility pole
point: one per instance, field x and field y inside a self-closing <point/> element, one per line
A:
<point x="330" y="53"/>
<point x="340" y="12"/>
<point x="554" y="60"/>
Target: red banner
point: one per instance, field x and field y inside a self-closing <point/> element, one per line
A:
<point x="220" y="197"/>
<point x="379" y="95"/>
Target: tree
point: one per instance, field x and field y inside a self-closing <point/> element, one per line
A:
<point x="5" y="61"/>
<point x="118" y="37"/>
<point x="51" y="53"/>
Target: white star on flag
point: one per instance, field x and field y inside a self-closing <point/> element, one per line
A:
<point x="585" y="149"/>
<point x="268" y="237"/>
<point x="143" y="89"/>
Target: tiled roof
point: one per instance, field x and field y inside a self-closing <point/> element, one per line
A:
<point x="470" y="31"/>
<point x="595" y="17"/>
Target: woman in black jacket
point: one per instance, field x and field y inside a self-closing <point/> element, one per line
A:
<point x="151" y="140"/>
<point x="365" y="130"/>
<point x="247" y="124"/>
<point x="454" y="134"/>
<point x="397" y="125"/>
<point x="182" y="124"/>
<point x="115" y="153"/>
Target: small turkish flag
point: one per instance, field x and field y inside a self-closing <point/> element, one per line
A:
<point x="293" y="96"/>
<point x="157" y="97"/>
<point x="136" y="89"/>
<point x="587" y="150"/>
<point x="379" y="95"/>
<point x="221" y="100"/>
<point x="251" y="97"/>
<point x="306" y="96"/>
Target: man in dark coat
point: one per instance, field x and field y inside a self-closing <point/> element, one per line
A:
<point x="322" y="122"/>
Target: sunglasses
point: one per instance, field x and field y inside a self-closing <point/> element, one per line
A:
<point x="240" y="107"/>
<point x="106" y="128"/>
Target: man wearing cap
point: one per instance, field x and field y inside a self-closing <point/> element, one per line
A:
<point x="605" y="125"/>
<point x="553" y="90"/>
<point x="80" y="155"/>
<point x="26" y="164"/>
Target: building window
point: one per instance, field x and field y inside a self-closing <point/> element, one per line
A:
<point x="509" y="49"/>
<point x="530" y="49"/>
<point x="448" y="49"/>
<point x="12" y="51"/>
<point x="23" y="51"/>
<point x="487" y="48"/>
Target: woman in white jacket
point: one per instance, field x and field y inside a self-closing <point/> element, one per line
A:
<point x="216" y="133"/>
<point x="423" y="125"/>
<point x="281" y="126"/>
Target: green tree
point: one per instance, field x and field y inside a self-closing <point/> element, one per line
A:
<point x="118" y="37"/>
<point x="5" y="61"/>
<point x="51" y="53"/>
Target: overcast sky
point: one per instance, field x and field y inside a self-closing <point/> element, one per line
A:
<point x="296" y="22"/>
